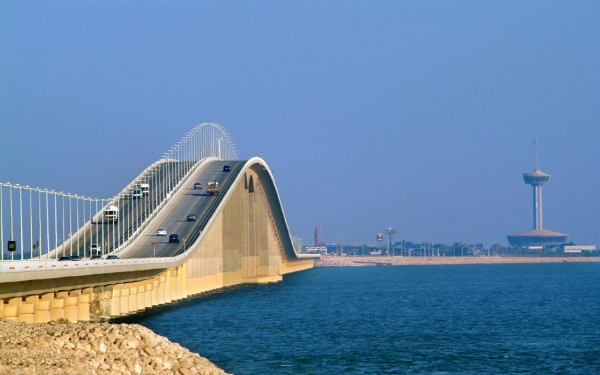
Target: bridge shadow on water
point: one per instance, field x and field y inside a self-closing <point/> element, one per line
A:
<point x="189" y="302"/>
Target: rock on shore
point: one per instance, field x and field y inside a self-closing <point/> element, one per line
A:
<point x="93" y="348"/>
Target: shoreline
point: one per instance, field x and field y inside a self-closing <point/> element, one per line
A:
<point x="58" y="348"/>
<point x="366" y="261"/>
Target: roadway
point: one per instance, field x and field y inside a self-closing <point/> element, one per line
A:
<point x="132" y="212"/>
<point x="192" y="201"/>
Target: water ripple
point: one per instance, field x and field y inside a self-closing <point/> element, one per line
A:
<point x="489" y="319"/>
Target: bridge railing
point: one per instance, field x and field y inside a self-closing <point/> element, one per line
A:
<point x="38" y="223"/>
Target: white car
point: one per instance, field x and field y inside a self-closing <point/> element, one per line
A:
<point x="161" y="232"/>
<point x="95" y="249"/>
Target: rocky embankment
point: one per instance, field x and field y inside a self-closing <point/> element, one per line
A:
<point x="358" y="261"/>
<point x="93" y="348"/>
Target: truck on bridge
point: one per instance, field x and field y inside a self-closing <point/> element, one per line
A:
<point x="212" y="188"/>
<point x="111" y="214"/>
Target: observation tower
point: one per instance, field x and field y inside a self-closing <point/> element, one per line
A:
<point x="538" y="237"/>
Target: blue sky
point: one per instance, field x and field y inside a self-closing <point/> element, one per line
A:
<point x="415" y="115"/>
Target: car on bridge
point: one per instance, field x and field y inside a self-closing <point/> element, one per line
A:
<point x="161" y="232"/>
<point x="198" y="185"/>
<point x="174" y="238"/>
<point x="67" y="258"/>
<point x="191" y="217"/>
<point x="226" y="168"/>
<point x="112" y="256"/>
<point x="95" y="249"/>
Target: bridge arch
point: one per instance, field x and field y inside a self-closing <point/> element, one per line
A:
<point x="243" y="241"/>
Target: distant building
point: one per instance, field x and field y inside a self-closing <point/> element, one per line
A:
<point x="315" y="250"/>
<point x="579" y="248"/>
<point x="537" y="238"/>
<point x="318" y="241"/>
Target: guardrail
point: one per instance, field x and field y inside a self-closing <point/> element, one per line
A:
<point x="43" y="269"/>
<point x="204" y="141"/>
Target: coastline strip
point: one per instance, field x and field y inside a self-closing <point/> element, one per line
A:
<point x="363" y="261"/>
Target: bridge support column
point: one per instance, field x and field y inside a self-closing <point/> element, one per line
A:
<point x="95" y="298"/>
<point x="42" y="312"/>
<point x="133" y="291"/>
<point x="114" y="295"/>
<point x="141" y="296"/>
<point x="16" y="301"/>
<point x="83" y="307"/>
<point x="57" y="309"/>
<point x="25" y="315"/>
<point x="148" y="290"/>
<point x="25" y="312"/>
<point x="47" y="297"/>
<point x="71" y="309"/>
<point x="179" y="283"/>
<point x="184" y="281"/>
<point x="62" y="294"/>
<point x="162" y="289"/>
<point x="174" y="285"/>
<point x="199" y="276"/>
<point x="33" y="299"/>
<point x="189" y="280"/>
<point x="124" y="307"/>
<point x="155" y="290"/>
<point x="168" y="298"/>
<point x="99" y="304"/>
<point x="10" y="312"/>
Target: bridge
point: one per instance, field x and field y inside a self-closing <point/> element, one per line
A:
<point x="66" y="256"/>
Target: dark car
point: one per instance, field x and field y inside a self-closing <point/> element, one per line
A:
<point x="112" y="256"/>
<point x="191" y="217"/>
<point x="174" y="238"/>
<point x="198" y="185"/>
<point x="75" y="257"/>
<point x="64" y="258"/>
<point x="226" y="168"/>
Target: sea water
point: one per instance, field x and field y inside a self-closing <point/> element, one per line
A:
<point x="453" y="319"/>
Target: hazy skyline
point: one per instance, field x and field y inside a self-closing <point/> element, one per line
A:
<point x="415" y="115"/>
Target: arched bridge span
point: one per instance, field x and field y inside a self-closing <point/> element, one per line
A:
<point x="239" y="236"/>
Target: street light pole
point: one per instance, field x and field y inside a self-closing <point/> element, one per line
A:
<point x="390" y="232"/>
